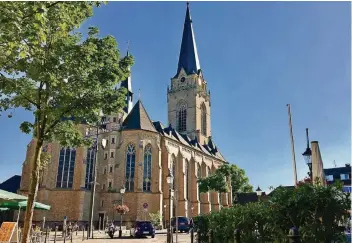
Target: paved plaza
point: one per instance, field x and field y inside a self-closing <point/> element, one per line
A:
<point x="102" y="237"/>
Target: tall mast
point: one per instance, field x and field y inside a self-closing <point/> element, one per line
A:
<point x="292" y="144"/>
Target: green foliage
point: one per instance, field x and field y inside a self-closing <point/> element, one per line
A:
<point x="49" y="69"/>
<point x="217" y="181"/>
<point x="155" y="218"/>
<point x="270" y="221"/>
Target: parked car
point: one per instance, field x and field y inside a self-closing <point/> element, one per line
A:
<point x="184" y="224"/>
<point x="142" y="228"/>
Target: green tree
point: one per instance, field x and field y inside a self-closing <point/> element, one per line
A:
<point x="63" y="79"/>
<point x="155" y="218"/>
<point x="218" y="182"/>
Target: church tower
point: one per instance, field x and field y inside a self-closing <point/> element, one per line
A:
<point x="188" y="97"/>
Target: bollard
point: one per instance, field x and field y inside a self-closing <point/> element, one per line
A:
<point x="237" y="235"/>
<point x="87" y="227"/>
<point x="210" y="236"/>
<point x="64" y="233"/>
<point x="83" y="233"/>
<point x="293" y="235"/>
<point x="46" y="235"/>
<point x="55" y="234"/>
<point x="71" y="235"/>
<point x="192" y="235"/>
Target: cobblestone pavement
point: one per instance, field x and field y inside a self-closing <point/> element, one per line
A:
<point x="102" y="238"/>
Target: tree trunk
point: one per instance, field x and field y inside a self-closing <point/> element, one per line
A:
<point x="32" y="193"/>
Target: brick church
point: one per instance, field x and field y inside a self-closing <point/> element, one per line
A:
<point x="139" y="155"/>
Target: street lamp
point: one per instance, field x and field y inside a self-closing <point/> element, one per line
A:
<point x="103" y="144"/>
<point x="122" y="191"/>
<point x="308" y="156"/>
<point x="170" y="180"/>
<point x="165" y="216"/>
<point x="259" y="191"/>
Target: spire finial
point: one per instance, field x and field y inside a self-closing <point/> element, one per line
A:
<point x="139" y="94"/>
<point x="128" y="47"/>
<point x="187" y="3"/>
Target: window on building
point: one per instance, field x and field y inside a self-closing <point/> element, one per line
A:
<point x="203" y="119"/>
<point x="187" y="179"/>
<point x="102" y="203"/>
<point x="130" y="165"/>
<point x="110" y="169"/>
<point x="173" y="168"/>
<point x="329" y="177"/>
<point x="112" y="140"/>
<point x="110" y="184"/>
<point x="66" y="168"/>
<point x="111" y="154"/>
<point x="345" y="176"/>
<point x="147" y="170"/>
<point x="105" y="155"/>
<point x="182" y="117"/>
<point x="103" y="188"/>
<point x="90" y="167"/>
<point x="104" y="171"/>
<point x="199" y="175"/>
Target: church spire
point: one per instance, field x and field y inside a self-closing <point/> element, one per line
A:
<point x="188" y="59"/>
<point x="127" y="83"/>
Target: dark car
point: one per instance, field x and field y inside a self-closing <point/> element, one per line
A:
<point x="142" y="228"/>
<point x="184" y="224"/>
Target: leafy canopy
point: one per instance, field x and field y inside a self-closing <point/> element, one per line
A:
<point x="48" y="68"/>
<point x="218" y="182"/>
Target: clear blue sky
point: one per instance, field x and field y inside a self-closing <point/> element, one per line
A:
<point x="256" y="58"/>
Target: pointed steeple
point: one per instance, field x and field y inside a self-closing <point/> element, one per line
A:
<point x="188" y="59"/>
<point x="127" y="83"/>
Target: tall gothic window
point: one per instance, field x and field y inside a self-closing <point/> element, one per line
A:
<point x="130" y="165"/>
<point x="199" y="175"/>
<point x="90" y="167"/>
<point x="66" y="168"/>
<point x="203" y="119"/>
<point x="187" y="180"/>
<point x="173" y="164"/>
<point x="182" y="117"/>
<point x="147" y="171"/>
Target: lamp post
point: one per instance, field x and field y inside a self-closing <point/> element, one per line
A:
<point x="170" y="179"/>
<point x="308" y="156"/>
<point x="165" y="216"/>
<point x="94" y="183"/>
<point x="259" y="191"/>
<point x="122" y="191"/>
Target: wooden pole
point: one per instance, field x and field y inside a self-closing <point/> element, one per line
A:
<point x="292" y="144"/>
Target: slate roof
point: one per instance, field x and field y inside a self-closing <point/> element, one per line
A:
<point x="188" y="59"/>
<point x="12" y="184"/>
<point x="246" y="197"/>
<point x="138" y="119"/>
<point x="336" y="173"/>
<point x="169" y="132"/>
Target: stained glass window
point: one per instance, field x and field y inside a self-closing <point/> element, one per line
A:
<point x="90" y="167"/>
<point x="147" y="170"/>
<point x="66" y="168"/>
<point x="130" y="165"/>
<point x="182" y="118"/>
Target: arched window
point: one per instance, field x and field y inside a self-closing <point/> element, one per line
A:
<point x="130" y="165"/>
<point x="90" y="161"/>
<point x="173" y="168"/>
<point x="147" y="172"/>
<point x="199" y="175"/>
<point x="187" y="180"/>
<point x="66" y="168"/>
<point x="182" y="117"/>
<point x="203" y="119"/>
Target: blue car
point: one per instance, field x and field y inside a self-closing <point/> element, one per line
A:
<point x="184" y="224"/>
<point x="142" y="228"/>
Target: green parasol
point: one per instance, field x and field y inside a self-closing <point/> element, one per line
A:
<point x="23" y="205"/>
